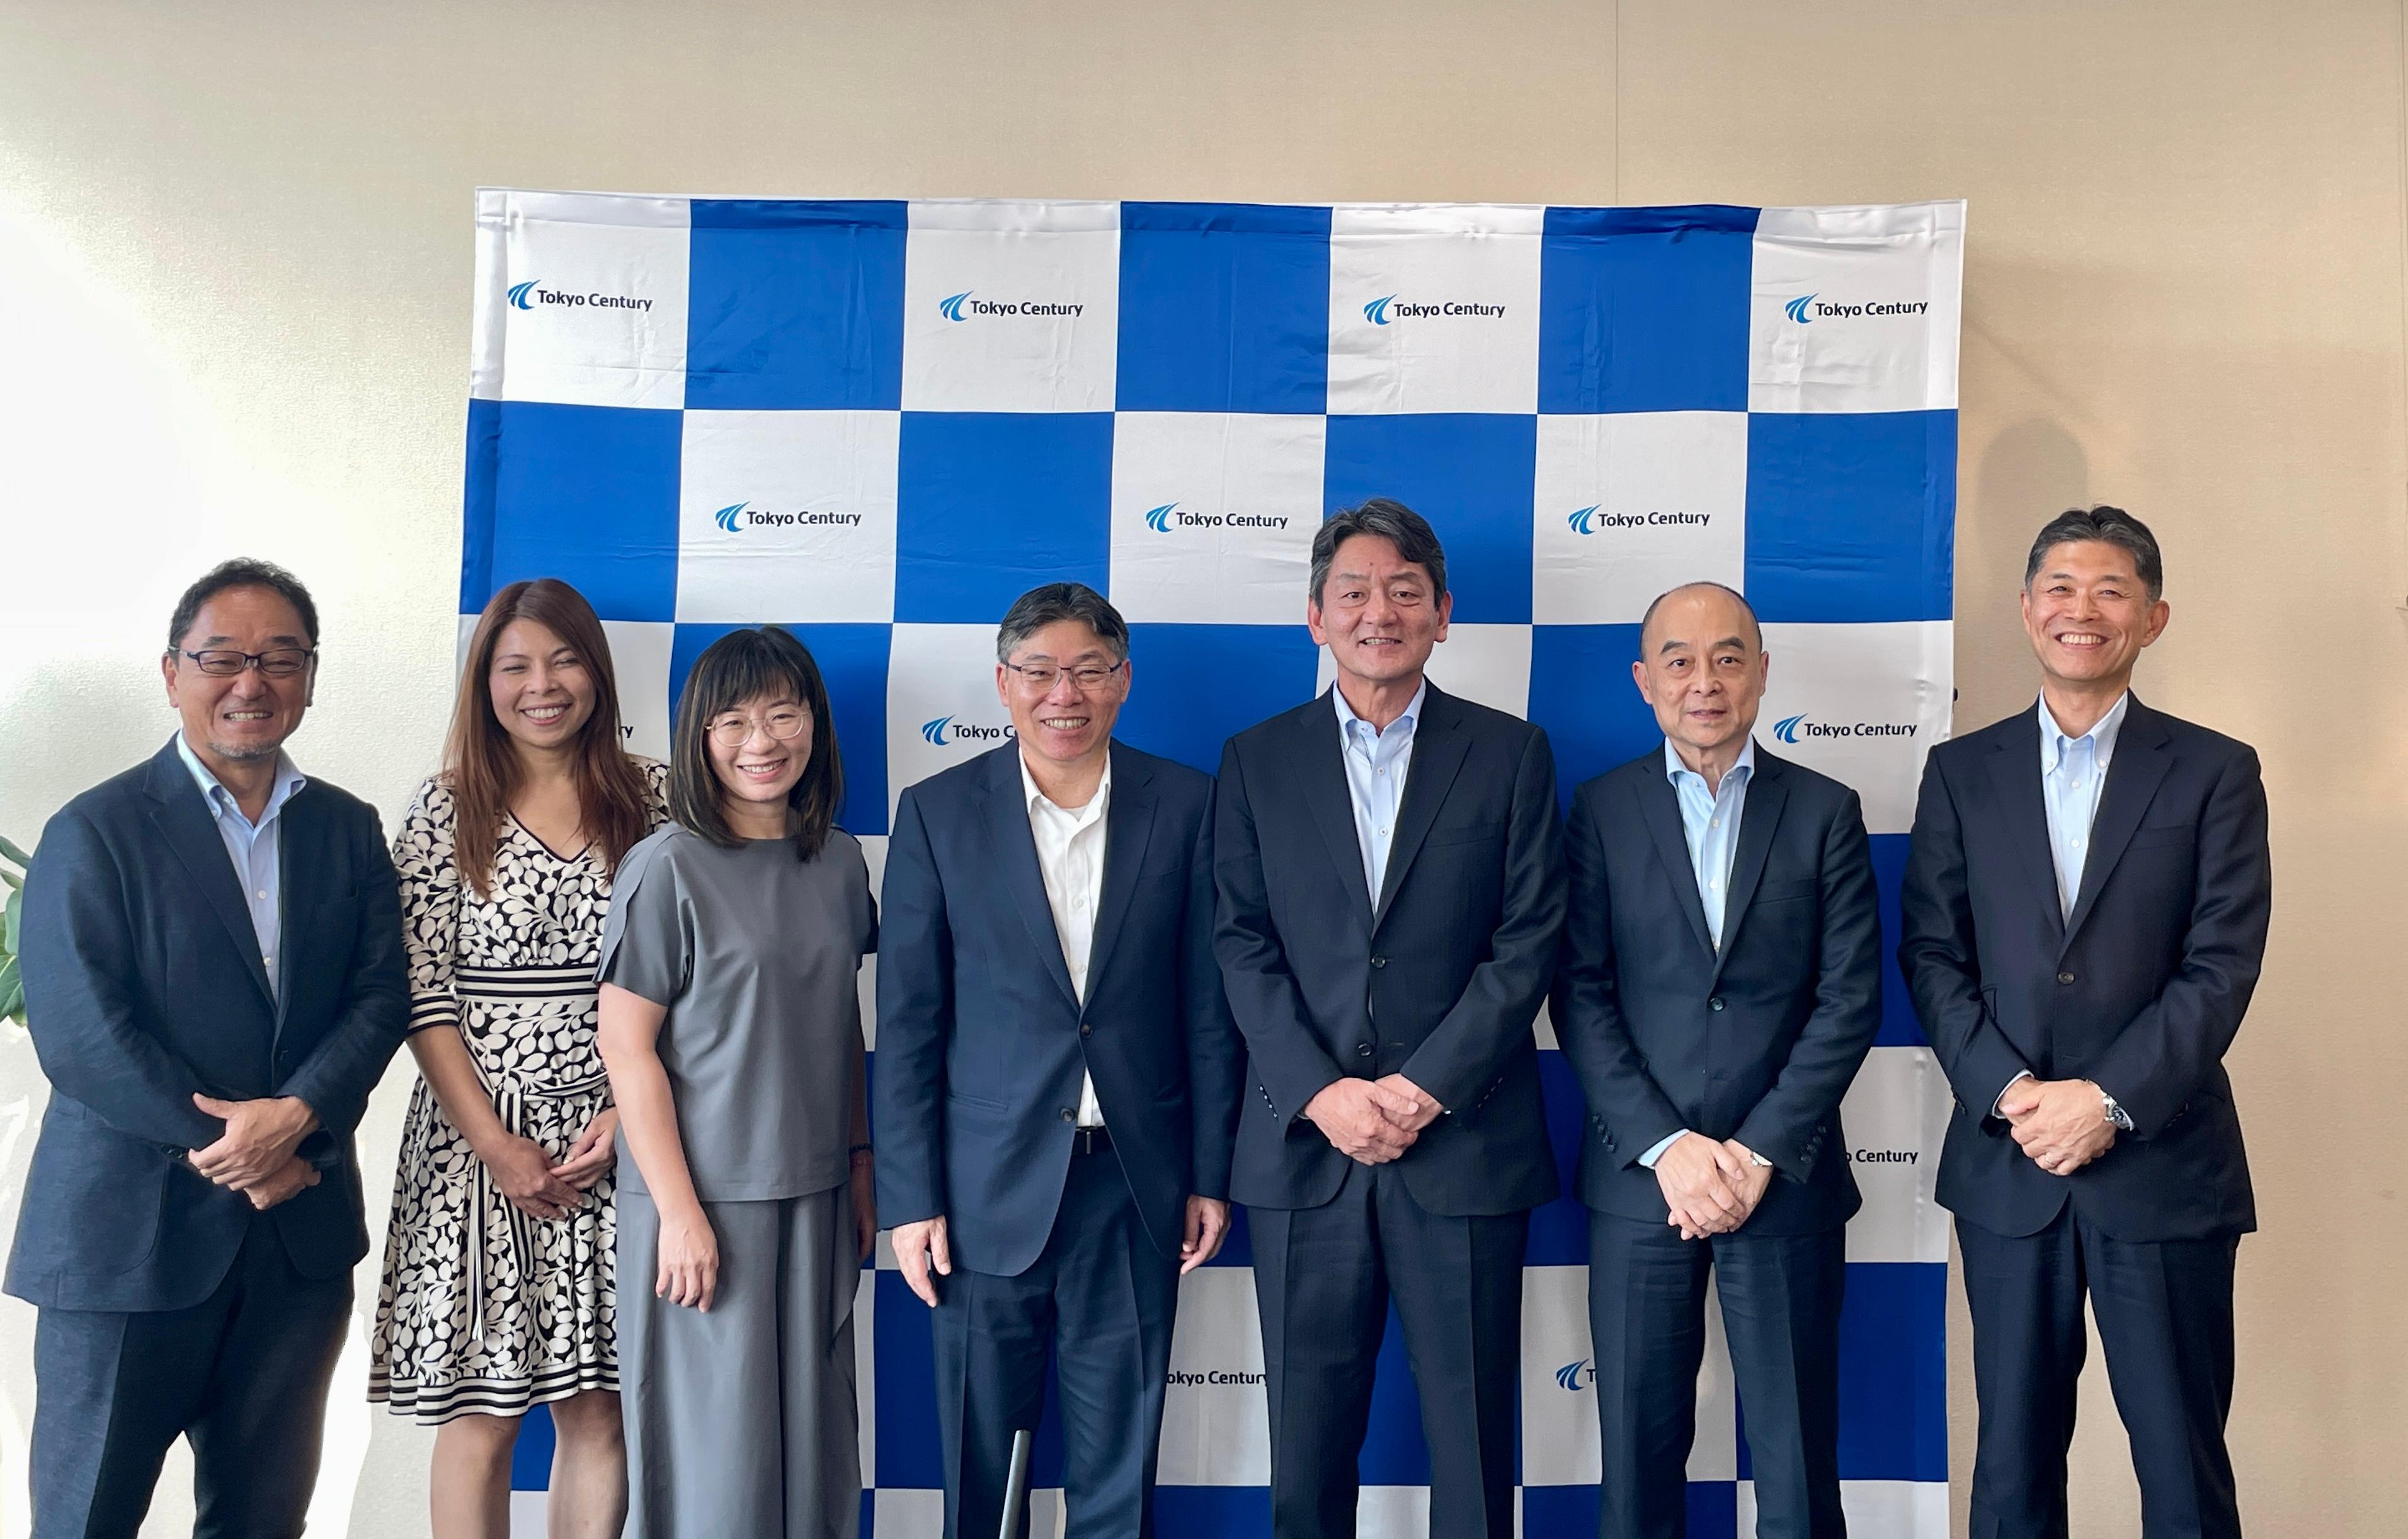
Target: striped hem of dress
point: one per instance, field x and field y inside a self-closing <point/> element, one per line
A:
<point x="432" y="1405"/>
<point x="524" y="983"/>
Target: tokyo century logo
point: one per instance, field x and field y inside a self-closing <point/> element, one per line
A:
<point x="944" y="730"/>
<point x="532" y="294"/>
<point x="1158" y="519"/>
<point x="739" y="516"/>
<point x="1576" y="1375"/>
<point x="1385" y="310"/>
<point x="1791" y="728"/>
<point x="1169" y="516"/>
<point x="1589" y="521"/>
<point x="1807" y="308"/>
<point x="962" y="305"/>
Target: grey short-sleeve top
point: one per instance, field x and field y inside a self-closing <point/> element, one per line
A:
<point x="756" y="954"/>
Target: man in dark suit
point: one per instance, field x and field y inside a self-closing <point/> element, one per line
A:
<point x="2084" y="916"/>
<point x="214" y="983"/>
<point x="1057" y="1078"/>
<point x="1721" y="985"/>
<point x="1392" y="893"/>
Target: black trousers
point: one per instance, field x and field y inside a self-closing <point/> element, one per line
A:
<point x="242" y="1375"/>
<point x="1101" y="1297"/>
<point x="1647" y="1321"/>
<point x="2165" y="1317"/>
<point x="1323" y="1279"/>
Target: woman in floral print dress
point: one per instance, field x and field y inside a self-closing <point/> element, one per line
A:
<point x="498" y="1289"/>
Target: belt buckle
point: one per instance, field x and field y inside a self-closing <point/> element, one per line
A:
<point x="1086" y="1139"/>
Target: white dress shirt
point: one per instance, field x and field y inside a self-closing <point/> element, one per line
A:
<point x="1070" y="853"/>
<point x="254" y="848"/>
<point x="1377" y="760"/>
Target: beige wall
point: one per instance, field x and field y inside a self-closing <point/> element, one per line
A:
<point x="233" y="315"/>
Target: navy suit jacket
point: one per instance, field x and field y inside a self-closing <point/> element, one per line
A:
<point x="982" y="1038"/>
<point x="1439" y="979"/>
<point x="2141" y="989"/>
<point x="144" y="985"/>
<point x="1758" y="1041"/>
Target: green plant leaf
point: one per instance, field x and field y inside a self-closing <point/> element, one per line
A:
<point x="12" y="1008"/>
<point x="12" y="990"/>
<point x="20" y="857"/>
<point x="8" y="924"/>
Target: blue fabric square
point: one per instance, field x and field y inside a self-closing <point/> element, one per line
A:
<point x="1471" y="475"/>
<point x="1581" y="692"/>
<point x="853" y="663"/>
<point x="794" y="304"/>
<point x="1894" y="1371"/>
<point x="1899" y="1027"/>
<point x="1851" y="516"/>
<point x="1559" y="1230"/>
<point x="1225" y="307"/>
<point x="989" y="505"/>
<point x="1195" y="687"/>
<point x="585" y="493"/>
<point x="1571" y="1511"/>
<point x="1645" y="309"/>
<point x="1211" y="1512"/>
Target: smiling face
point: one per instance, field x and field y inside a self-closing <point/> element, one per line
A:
<point x="247" y="715"/>
<point x="1064" y="723"/>
<point x="1702" y="669"/>
<point x="758" y="769"/>
<point x="1376" y="612"/>
<point x="2089" y="615"/>
<point x="542" y="691"/>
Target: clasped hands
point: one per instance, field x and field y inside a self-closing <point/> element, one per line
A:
<point x="2061" y="1125"/>
<point x="1372" y="1121"/>
<point x="1710" y="1188"/>
<point x="254" y="1155"/>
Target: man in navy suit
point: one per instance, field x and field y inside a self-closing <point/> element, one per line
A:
<point x="1721" y="985"/>
<point x="1391" y="878"/>
<point x="2084" y="916"/>
<point x="1056" y="1081"/>
<point x="214" y="982"/>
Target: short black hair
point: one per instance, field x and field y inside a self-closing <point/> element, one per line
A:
<point x="2110" y="525"/>
<point x="1393" y="522"/>
<point x="741" y="665"/>
<point x="241" y="572"/>
<point x="1054" y="602"/>
<point x="1738" y="597"/>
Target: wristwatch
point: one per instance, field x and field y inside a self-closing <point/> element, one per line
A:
<point x="2116" y="1117"/>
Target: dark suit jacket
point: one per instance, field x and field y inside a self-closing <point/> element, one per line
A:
<point x="144" y="985"/>
<point x="1440" y="979"/>
<point x="1757" y="1042"/>
<point x="2141" y="989"/>
<point x="981" y="1039"/>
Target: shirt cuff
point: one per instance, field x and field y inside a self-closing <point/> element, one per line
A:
<point x="1647" y="1160"/>
<point x="2004" y="1088"/>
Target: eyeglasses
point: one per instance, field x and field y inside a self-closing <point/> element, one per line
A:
<point x="276" y="663"/>
<point x="735" y="731"/>
<point x="1041" y="677"/>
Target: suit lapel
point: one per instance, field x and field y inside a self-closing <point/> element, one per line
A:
<point x="2014" y="776"/>
<point x="181" y="815"/>
<point x="1128" y="824"/>
<point x="1323" y="769"/>
<point x="1015" y="859"/>
<point x="1439" y="748"/>
<point x="2140" y="765"/>
<point x="1768" y="792"/>
<point x="1659" y="808"/>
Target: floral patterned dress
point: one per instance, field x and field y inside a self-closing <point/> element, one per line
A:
<point x="483" y="1308"/>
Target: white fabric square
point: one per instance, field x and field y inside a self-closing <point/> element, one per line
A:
<point x="1896" y="1114"/>
<point x="941" y="707"/>
<point x="1213" y="516"/>
<point x="1011" y="307"/>
<point x="1873" y="1507"/>
<point x="640" y="651"/>
<point x="1490" y="665"/>
<point x="1863" y="704"/>
<point x="1856" y="309"/>
<point x="1434" y="307"/>
<point x="788" y="514"/>
<point x="1215" y="1425"/>
<point x="1631" y="504"/>
<point x="1392" y="1512"/>
<point x="582" y="299"/>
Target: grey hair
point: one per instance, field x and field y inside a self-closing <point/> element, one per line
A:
<point x="1038" y="608"/>
<point x="1737" y="597"/>
<point x="2109" y="526"/>
<point x="241" y="572"/>
<point x="1393" y="522"/>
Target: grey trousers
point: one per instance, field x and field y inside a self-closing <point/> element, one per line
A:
<point x="742" y="1421"/>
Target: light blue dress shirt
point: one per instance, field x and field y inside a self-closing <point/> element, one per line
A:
<point x="1377" y="760"/>
<point x="1710" y="819"/>
<point x="252" y="847"/>
<point x="2073" y="772"/>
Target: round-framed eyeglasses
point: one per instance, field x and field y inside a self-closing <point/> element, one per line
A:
<point x="785" y="723"/>
<point x="1088" y="677"/>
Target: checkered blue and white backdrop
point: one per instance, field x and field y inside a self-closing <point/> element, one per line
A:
<point x="877" y="423"/>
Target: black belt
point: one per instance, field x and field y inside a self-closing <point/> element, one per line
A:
<point x="1087" y="1141"/>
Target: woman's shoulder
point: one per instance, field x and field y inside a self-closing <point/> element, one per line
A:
<point x="843" y="852"/>
<point x="667" y="846"/>
<point x="432" y="807"/>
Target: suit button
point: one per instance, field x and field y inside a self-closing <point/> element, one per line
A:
<point x="1086" y="1031"/>
<point x="2065" y="977"/>
<point x="1362" y="1050"/>
<point x="1378" y="961"/>
<point x="1070" y="1115"/>
<point x="1714" y="1003"/>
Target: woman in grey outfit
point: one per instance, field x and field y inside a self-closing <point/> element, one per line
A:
<point x="731" y="1028"/>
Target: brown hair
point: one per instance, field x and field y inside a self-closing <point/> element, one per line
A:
<point x="480" y="765"/>
<point x="741" y="665"/>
